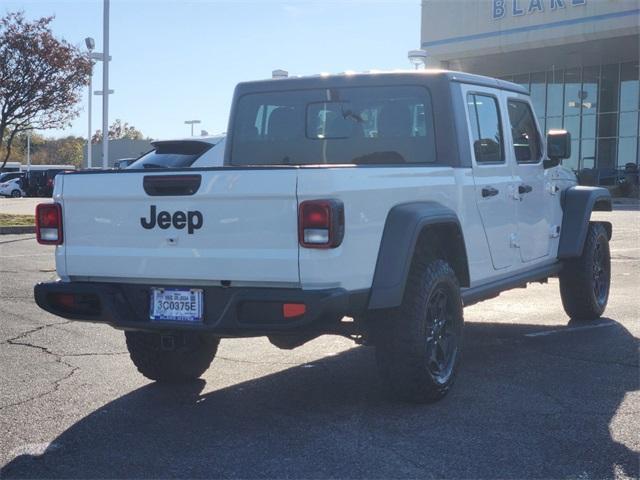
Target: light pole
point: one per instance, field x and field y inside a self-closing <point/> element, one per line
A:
<point x="98" y="57"/>
<point x="417" y="58"/>
<point x="91" y="44"/>
<point x="105" y="86"/>
<point x="192" y="123"/>
<point x="29" y="151"/>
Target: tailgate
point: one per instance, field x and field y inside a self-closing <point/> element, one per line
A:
<point x="238" y="226"/>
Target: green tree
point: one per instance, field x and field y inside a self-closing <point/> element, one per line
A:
<point x="119" y="130"/>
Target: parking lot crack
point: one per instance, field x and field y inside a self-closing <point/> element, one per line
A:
<point x="93" y="354"/>
<point x="20" y="340"/>
<point x="15" y="340"/>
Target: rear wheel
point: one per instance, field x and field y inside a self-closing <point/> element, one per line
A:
<point x="419" y="344"/>
<point x="585" y="281"/>
<point x="175" y="357"/>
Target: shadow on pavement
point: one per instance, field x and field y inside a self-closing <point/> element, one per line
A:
<point x="523" y="407"/>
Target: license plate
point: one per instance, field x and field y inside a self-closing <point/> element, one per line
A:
<point x="176" y="304"/>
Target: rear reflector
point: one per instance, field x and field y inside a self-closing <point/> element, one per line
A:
<point x="49" y="223"/>
<point x="75" y="303"/>
<point x="321" y="223"/>
<point x="291" y="310"/>
<point x="269" y="313"/>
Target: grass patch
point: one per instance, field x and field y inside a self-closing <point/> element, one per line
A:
<point x="8" y="220"/>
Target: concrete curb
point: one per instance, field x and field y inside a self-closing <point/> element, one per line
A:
<point x="17" y="230"/>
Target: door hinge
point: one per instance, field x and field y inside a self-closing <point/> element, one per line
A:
<point x="552" y="188"/>
<point x="515" y="242"/>
<point x="554" y="231"/>
<point x="513" y="192"/>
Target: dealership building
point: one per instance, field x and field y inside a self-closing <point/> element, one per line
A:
<point x="578" y="58"/>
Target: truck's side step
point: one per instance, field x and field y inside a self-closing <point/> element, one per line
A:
<point x="493" y="289"/>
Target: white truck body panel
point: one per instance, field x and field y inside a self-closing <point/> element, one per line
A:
<point x="249" y="232"/>
<point x="368" y="195"/>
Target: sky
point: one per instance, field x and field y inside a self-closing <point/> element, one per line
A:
<point x="178" y="60"/>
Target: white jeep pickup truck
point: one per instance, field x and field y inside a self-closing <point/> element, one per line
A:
<point x="373" y="206"/>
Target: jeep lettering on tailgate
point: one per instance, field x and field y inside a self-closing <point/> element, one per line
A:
<point x="192" y="220"/>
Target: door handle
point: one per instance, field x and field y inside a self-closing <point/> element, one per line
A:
<point x="522" y="189"/>
<point x="489" y="192"/>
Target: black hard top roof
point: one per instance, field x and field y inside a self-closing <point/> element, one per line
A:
<point x="376" y="79"/>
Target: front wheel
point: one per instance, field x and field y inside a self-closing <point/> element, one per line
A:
<point x="16" y="194"/>
<point x="175" y="357"/>
<point x="418" y="346"/>
<point x="585" y="281"/>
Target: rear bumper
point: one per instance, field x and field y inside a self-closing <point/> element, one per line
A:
<point x="232" y="312"/>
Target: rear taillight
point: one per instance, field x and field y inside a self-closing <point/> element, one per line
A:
<point x="49" y="223"/>
<point x="321" y="223"/>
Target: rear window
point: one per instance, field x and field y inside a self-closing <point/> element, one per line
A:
<point x="172" y="154"/>
<point x="5" y="177"/>
<point x="356" y="125"/>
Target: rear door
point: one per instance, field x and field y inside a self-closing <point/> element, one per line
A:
<point x="492" y="172"/>
<point x="192" y="227"/>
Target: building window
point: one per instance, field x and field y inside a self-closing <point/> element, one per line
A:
<point x="538" y="91"/>
<point x="588" y="153"/>
<point x="555" y="93"/>
<point x="589" y="95"/>
<point x="572" y="91"/>
<point x="598" y="105"/>
<point x="629" y="91"/>
<point x="628" y="148"/>
<point x="609" y="88"/>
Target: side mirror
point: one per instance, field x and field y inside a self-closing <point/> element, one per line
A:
<point x="558" y="147"/>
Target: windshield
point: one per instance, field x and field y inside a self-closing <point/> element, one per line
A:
<point x="356" y="125"/>
<point x="172" y="154"/>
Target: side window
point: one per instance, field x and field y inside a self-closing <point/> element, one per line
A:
<point x="526" y="140"/>
<point x="484" y="117"/>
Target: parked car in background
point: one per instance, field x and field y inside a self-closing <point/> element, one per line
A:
<point x="189" y="152"/>
<point x="5" y="177"/>
<point x="39" y="183"/>
<point x="123" y="163"/>
<point x="12" y="188"/>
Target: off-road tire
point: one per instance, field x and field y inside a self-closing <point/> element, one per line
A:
<point x="403" y="348"/>
<point x="182" y="359"/>
<point x="585" y="281"/>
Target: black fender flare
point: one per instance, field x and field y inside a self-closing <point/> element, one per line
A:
<point x="403" y="226"/>
<point x="577" y="204"/>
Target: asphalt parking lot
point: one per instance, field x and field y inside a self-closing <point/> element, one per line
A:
<point x="535" y="398"/>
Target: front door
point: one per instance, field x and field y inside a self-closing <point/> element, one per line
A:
<point x="533" y="206"/>
<point x="492" y="173"/>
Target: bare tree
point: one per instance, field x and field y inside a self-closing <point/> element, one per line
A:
<point x="41" y="78"/>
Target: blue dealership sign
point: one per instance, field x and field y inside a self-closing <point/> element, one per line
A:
<point x="515" y="8"/>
